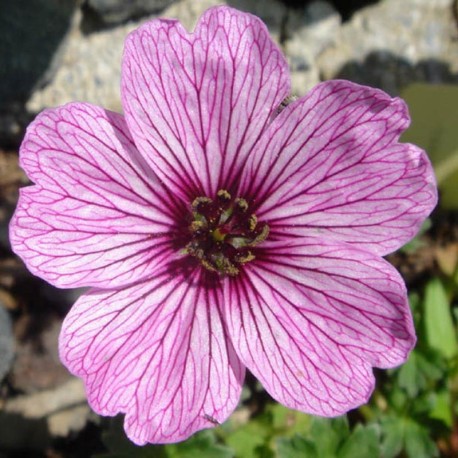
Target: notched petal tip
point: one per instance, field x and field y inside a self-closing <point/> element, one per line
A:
<point x="393" y="110"/>
<point x="93" y="217"/>
<point x="312" y="317"/>
<point x="331" y="164"/>
<point x="156" y="351"/>
<point x="196" y="103"/>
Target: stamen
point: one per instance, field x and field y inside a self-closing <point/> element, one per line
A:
<point x="222" y="231"/>
<point x="249" y="256"/>
<point x="200" y="203"/>
<point x="197" y="225"/>
<point x="223" y="195"/>
<point x="252" y="222"/>
<point x="261" y="236"/>
<point x="242" y="204"/>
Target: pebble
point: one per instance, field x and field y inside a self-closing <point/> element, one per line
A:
<point x="90" y="64"/>
<point x="309" y="32"/>
<point x="116" y="11"/>
<point x="32" y="32"/>
<point x="33" y="420"/>
<point x="392" y="44"/>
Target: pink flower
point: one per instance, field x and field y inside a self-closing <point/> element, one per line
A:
<point x="219" y="232"/>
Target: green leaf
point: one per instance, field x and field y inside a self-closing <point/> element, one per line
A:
<point x="403" y="433"/>
<point x="397" y="398"/>
<point x="420" y="371"/>
<point x="363" y="443"/>
<point x="443" y="408"/>
<point x="247" y="439"/>
<point x="392" y="436"/>
<point x="431" y="365"/>
<point x="330" y="429"/>
<point x="439" y="328"/>
<point x="434" y="111"/>
<point x="264" y="451"/>
<point x="324" y="439"/>
<point x="288" y="422"/>
<point x="120" y="446"/>
<point x="327" y="434"/>
<point x="418" y="444"/>
<point x="294" y="447"/>
<point x="409" y="377"/>
<point x="201" y="445"/>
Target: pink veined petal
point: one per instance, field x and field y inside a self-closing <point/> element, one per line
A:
<point x="96" y="215"/>
<point x="197" y="103"/>
<point x="309" y="318"/>
<point x="157" y="351"/>
<point x="331" y="165"/>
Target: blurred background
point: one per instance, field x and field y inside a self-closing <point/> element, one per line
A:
<point x="56" y="51"/>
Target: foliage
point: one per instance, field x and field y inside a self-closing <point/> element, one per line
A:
<point x="434" y="112"/>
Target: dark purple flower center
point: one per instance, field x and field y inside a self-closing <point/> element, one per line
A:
<point x="223" y="233"/>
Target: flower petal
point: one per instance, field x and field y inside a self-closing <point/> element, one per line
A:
<point x="330" y="165"/>
<point x="310" y="318"/>
<point x="158" y="351"/>
<point x="197" y="103"/>
<point x="97" y="215"/>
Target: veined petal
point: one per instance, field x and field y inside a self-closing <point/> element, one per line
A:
<point x="97" y="215"/>
<point x="310" y="318"/>
<point x="331" y="165"/>
<point x="157" y="351"/>
<point x="196" y="103"/>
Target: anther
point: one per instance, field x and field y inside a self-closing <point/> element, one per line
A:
<point x="197" y="225"/>
<point x="201" y="203"/>
<point x="223" y="195"/>
<point x="261" y="236"/>
<point x="243" y="259"/>
<point x="242" y="205"/>
<point x="252" y="222"/>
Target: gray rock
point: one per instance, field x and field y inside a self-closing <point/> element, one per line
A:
<point x="90" y="65"/>
<point x="388" y="45"/>
<point x="89" y="69"/>
<point x="6" y="342"/>
<point x="392" y="44"/>
<point x="117" y="11"/>
<point x="37" y="365"/>
<point x="309" y="31"/>
<point x="44" y="403"/>
<point x="31" y="33"/>
<point x="188" y="12"/>
<point x="274" y="13"/>
<point x="32" y="420"/>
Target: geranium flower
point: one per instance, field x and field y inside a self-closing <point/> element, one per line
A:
<point x="220" y="231"/>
